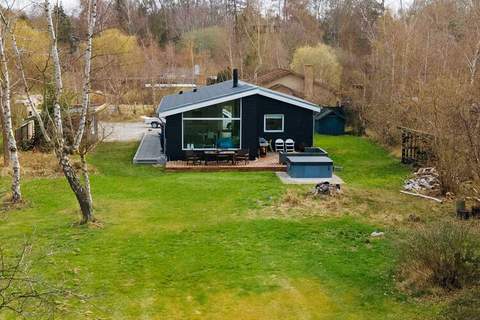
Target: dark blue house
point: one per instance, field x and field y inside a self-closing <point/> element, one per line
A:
<point x="233" y="115"/>
<point x="330" y="121"/>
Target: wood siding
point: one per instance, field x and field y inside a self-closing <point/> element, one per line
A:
<point x="298" y="125"/>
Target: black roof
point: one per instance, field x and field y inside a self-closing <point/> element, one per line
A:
<point x="221" y="90"/>
<point x="202" y="94"/>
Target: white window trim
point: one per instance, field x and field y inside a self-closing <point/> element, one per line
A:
<point x="206" y="149"/>
<point x="273" y="116"/>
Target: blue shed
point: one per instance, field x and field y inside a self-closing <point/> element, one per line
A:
<point x="309" y="167"/>
<point x="330" y="121"/>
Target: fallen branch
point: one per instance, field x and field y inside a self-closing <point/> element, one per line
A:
<point x="422" y="196"/>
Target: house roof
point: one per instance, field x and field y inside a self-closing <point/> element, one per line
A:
<point x="273" y="74"/>
<point x="277" y="73"/>
<point x="221" y="92"/>
<point x="325" y="111"/>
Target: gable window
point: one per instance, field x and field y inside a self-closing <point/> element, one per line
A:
<point x="213" y="127"/>
<point x="273" y="122"/>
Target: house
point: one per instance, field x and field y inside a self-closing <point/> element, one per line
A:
<point x="299" y="85"/>
<point x="233" y="115"/>
<point x="331" y="121"/>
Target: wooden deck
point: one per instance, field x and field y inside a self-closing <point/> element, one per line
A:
<point x="268" y="163"/>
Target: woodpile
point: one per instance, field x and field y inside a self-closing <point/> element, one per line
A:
<point x="424" y="181"/>
<point x="326" y="188"/>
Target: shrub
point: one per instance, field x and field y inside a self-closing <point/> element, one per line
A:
<point x="467" y="306"/>
<point x="443" y="255"/>
<point x="324" y="60"/>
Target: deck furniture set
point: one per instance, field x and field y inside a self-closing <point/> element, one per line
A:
<point x="206" y="156"/>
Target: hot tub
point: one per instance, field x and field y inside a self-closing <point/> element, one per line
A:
<point x="309" y="152"/>
<point x="309" y="167"/>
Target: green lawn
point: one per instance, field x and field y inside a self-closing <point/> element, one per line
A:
<point x="363" y="163"/>
<point x="186" y="246"/>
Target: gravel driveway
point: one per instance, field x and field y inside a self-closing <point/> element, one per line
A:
<point x="126" y="131"/>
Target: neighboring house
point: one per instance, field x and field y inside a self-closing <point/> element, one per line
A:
<point x="233" y="115"/>
<point x="299" y="85"/>
<point x="330" y="121"/>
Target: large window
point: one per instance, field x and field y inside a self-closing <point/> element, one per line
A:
<point x="213" y="127"/>
<point x="273" y="123"/>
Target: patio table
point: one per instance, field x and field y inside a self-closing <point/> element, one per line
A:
<point x="228" y="155"/>
<point x="210" y="156"/>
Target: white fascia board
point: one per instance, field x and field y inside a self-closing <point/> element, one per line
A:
<point x="259" y="91"/>
<point x="206" y="103"/>
<point x="295" y="101"/>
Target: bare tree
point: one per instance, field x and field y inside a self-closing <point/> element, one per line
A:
<point x="57" y="135"/>
<point x="23" y="293"/>
<point x="7" y="121"/>
<point x="62" y="149"/>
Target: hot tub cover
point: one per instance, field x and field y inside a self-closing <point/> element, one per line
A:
<point x="314" y="159"/>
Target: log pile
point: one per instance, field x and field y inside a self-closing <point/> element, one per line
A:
<point x="424" y="181"/>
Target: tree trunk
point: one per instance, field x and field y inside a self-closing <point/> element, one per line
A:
<point x="6" y="151"/>
<point x="57" y="114"/>
<point x="86" y="180"/>
<point x="92" y="16"/>
<point x="7" y="116"/>
<point x="81" y="193"/>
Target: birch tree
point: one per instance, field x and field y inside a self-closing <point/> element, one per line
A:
<point x="7" y="122"/>
<point x="63" y="151"/>
<point x="79" y="182"/>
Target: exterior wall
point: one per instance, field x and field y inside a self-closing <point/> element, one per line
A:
<point x="298" y="122"/>
<point x="330" y="125"/>
<point x="298" y="125"/>
<point x="173" y="137"/>
<point x="310" y="170"/>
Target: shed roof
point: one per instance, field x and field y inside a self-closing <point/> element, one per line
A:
<point x="325" y="111"/>
<point x="221" y="92"/>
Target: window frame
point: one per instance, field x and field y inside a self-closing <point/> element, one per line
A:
<point x="273" y="116"/>
<point x="203" y="119"/>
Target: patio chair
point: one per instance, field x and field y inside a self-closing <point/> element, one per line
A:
<point x="192" y="156"/>
<point x="279" y="145"/>
<point x="242" y="155"/>
<point x="289" y="145"/>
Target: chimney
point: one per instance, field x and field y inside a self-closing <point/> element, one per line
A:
<point x="201" y="79"/>
<point x="308" y="82"/>
<point x="235" y="78"/>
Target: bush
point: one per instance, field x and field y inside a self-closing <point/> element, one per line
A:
<point x="324" y="61"/>
<point x="467" y="306"/>
<point x="443" y="255"/>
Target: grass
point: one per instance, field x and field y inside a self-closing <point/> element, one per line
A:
<point x="186" y="246"/>
<point x="364" y="164"/>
